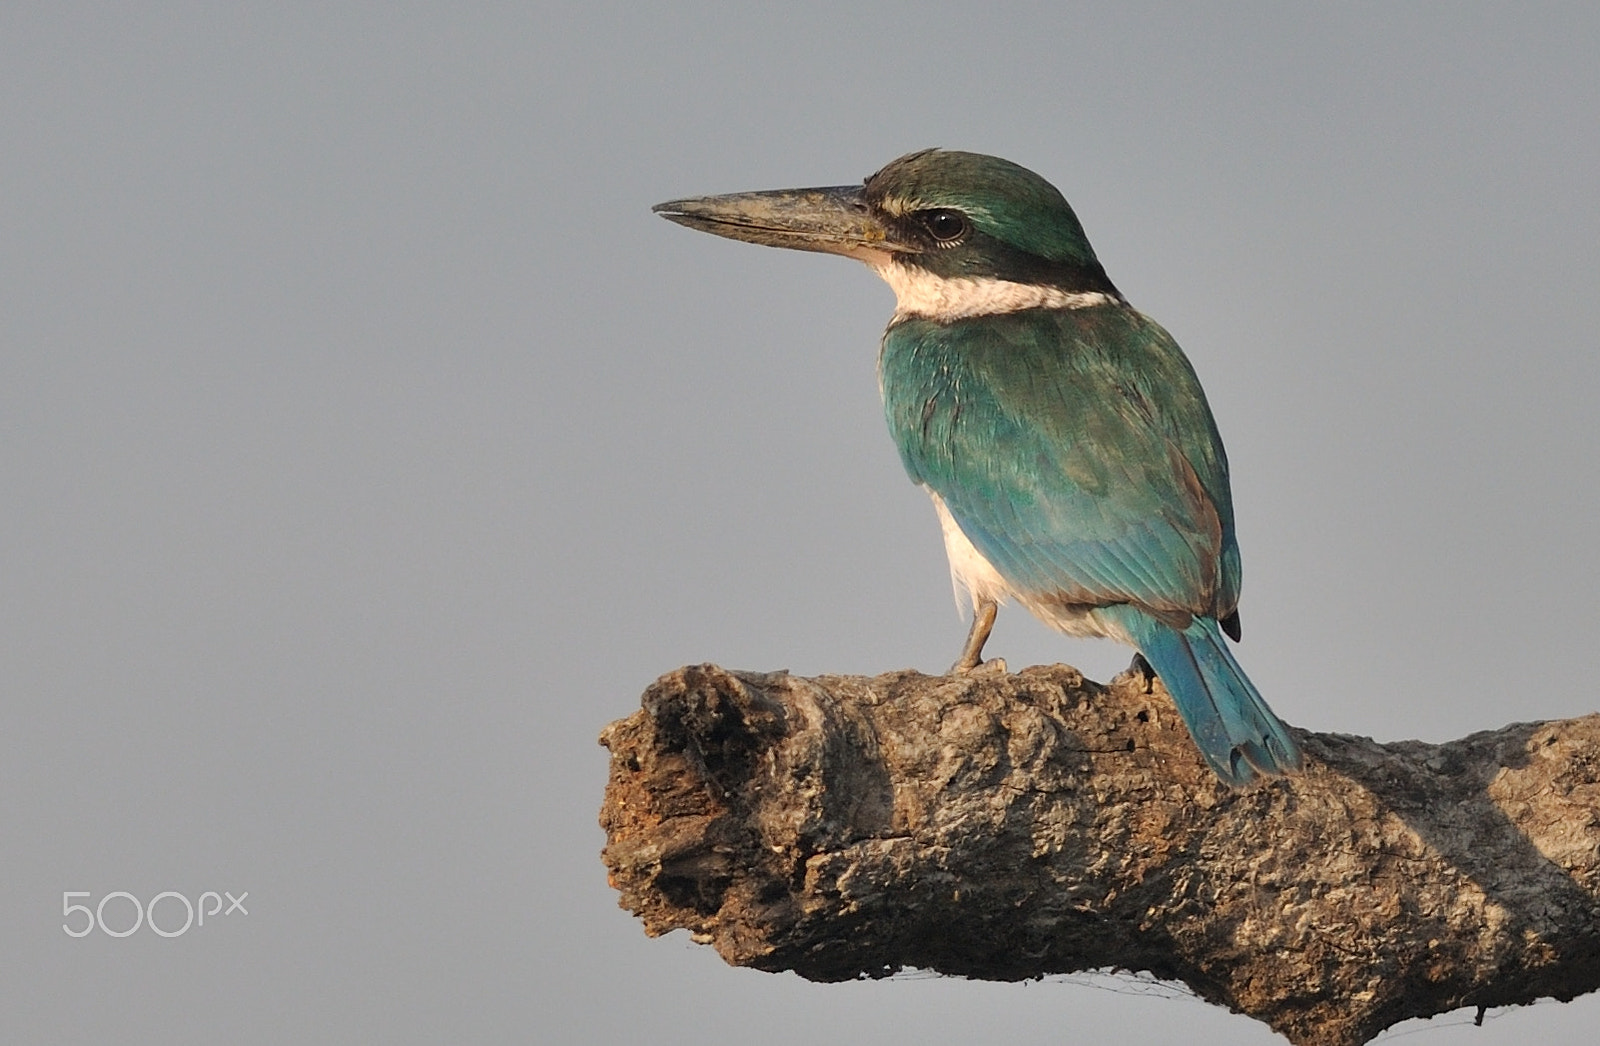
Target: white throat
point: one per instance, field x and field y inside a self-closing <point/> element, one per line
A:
<point x="922" y="294"/>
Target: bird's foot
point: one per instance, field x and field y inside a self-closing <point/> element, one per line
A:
<point x="971" y="659"/>
<point x="993" y="666"/>
<point x="1140" y="671"/>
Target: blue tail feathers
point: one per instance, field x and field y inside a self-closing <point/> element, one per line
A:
<point x="1230" y="723"/>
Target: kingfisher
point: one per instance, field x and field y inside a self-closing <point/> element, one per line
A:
<point x="1063" y="436"/>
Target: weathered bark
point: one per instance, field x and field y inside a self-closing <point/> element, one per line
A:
<point x="1014" y="826"/>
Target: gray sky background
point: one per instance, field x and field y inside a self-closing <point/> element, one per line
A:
<point x="366" y="445"/>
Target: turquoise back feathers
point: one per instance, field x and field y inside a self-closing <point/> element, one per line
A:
<point x="1075" y="448"/>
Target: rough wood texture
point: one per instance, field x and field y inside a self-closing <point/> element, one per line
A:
<point x="1012" y="826"/>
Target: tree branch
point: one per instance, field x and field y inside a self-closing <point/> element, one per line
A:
<point x="1013" y="826"/>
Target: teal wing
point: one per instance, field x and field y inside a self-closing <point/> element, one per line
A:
<point x="1075" y="449"/>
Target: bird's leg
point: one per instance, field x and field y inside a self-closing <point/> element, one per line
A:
<point x="983" y="612"/>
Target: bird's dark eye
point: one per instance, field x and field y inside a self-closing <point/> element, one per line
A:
<point x="944" y="225"/>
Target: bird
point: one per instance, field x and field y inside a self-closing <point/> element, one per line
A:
<point x="1073" y="461"/>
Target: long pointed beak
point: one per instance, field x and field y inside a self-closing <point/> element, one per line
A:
<point x="832" y="220"/>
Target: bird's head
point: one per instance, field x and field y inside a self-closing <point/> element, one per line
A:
<point x="955" y="234"/>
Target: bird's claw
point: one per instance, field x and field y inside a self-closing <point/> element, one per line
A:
<point x="1140" y="670"/>
<point x="993" y="666"/>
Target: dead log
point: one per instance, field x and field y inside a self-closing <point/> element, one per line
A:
<point x="1008" y="827"/>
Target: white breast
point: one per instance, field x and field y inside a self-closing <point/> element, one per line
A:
<point x="972" y="576"/>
